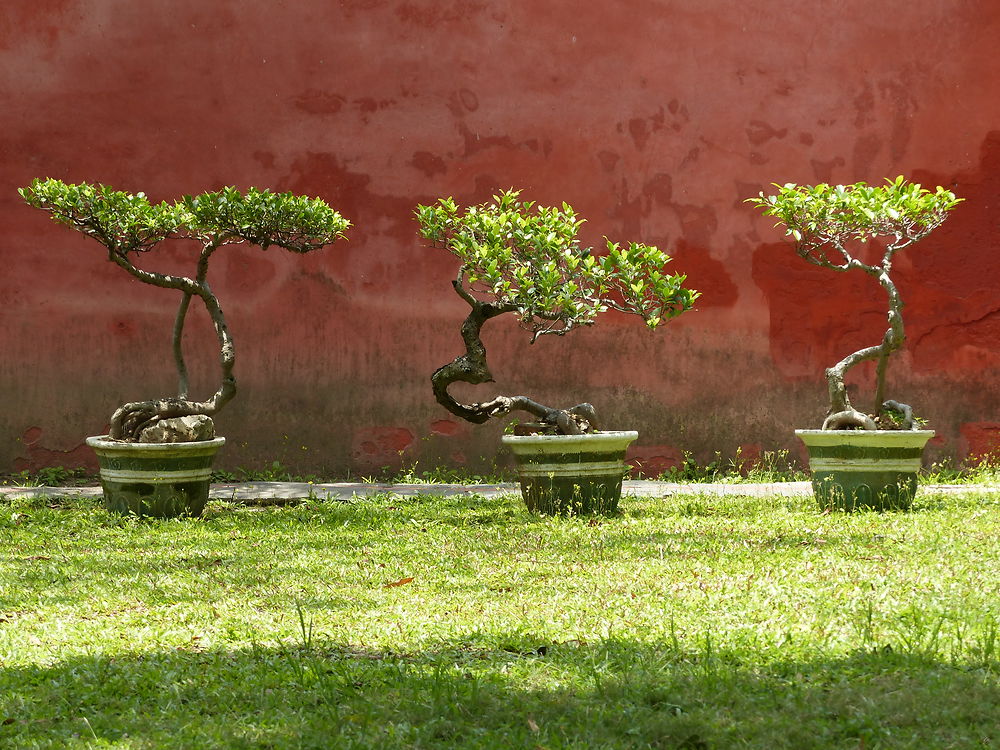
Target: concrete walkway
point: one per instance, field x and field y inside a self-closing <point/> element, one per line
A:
<point x="281" y="492"/>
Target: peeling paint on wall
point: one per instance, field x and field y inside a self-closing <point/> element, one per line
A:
<point x="35" y="454"/>
<point x="654" y="124"/>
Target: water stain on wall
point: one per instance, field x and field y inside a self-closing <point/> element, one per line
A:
<point x="948" y="282"/>
<point x="704" y="273"/>
<point x="378" y="447"/>
<point x="37" y="455"/>
<point x="349" y="191"/>
<point x="956" y="305"/>
<point x="981" y="440"/>
<point x="316" y="102"/>
<point x="650" y="461"/>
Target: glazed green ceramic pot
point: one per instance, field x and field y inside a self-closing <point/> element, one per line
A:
<point x="571" y="474"/>
<point x="162" y="480"/>
<point x="854" y="469"/>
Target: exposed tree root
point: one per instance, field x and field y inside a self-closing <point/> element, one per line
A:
<point x="849" y="419"/>
<point x="843" y="416"/>
<point x="576" y="420"/>
<point x="131" y="419"/>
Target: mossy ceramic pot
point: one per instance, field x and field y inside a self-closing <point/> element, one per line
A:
<point x="875" y="469"/>
<point x="163" y="480"/>
<point x="571" y="474"/>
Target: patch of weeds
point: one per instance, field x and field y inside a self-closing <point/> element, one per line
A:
<point x="276" y="472"/>
<point x="446" y="475"/>
<point x="984" y="470"/>
<point x="770" y="466"/>
<point x="413" y="474"/>
<point x="690" y="470"/>
<point x="49" y="476"/>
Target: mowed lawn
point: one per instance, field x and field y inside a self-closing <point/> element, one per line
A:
<point x="691" y="622"/>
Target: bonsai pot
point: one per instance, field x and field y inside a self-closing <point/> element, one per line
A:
<point x="162" y="480"/>
<point x="571" y="474"/>
<point x="875" y="469"/>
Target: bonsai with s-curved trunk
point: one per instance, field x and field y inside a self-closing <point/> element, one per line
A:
<point x="524" y="259"/>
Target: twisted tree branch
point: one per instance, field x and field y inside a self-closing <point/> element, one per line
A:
<point x="472" y="367"/>
<point x="131" y="418"/>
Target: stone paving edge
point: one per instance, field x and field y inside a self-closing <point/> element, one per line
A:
<point x="285" y="491"/>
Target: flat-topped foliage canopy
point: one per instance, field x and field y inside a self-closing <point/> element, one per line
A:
<point x="835" y="215"/>
<point x="126" y="222"/>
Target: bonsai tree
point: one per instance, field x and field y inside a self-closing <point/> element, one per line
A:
<point x="831" y="224"/>
<point x="129" y="225"/>
<point x="519" y="258"/>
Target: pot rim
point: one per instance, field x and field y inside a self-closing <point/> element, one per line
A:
<point x="102" y="442"/>
<point x="888" y="439"/>
<point x="585" y="436"/>
<point x="610" y="438"/>
<point x="864" y="432"/>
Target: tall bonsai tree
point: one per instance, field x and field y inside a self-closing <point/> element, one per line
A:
<point x="129" y="225"/>
<point x="831" y="224"/>
<point x="519" y="258"/>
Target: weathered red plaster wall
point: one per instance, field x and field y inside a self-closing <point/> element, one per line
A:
<point x="654" y="119"/>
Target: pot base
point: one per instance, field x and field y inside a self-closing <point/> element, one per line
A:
<point x="553" y="496"/>
<point x="873" y="490"/>
<point x="155" y="500"/>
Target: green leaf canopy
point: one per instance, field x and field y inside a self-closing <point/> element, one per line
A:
<point x="126" y="223"/>
<point x="528" y="257"/>
<point x="819" y="215"/>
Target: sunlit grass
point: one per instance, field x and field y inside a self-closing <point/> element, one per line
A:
<point x="694" y="622"/>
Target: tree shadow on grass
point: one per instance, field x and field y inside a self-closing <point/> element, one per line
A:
<point x="497" y="692"/>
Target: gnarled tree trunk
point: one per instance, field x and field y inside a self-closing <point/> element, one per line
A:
<point x="472" y="367"/>
<point x="842" y="414"/>
<point x="130" y="419"/>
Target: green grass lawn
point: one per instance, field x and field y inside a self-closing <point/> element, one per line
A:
<point x="691" y="622"/>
